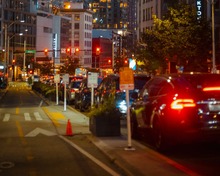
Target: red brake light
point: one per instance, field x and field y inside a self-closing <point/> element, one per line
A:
<point x="205" y="89"/>
<point x="182" y="103"/>
<point x="72" y="90"/>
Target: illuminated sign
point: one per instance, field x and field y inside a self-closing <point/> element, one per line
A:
<point x="54" y="45"/>
<point x="199" y="9"/>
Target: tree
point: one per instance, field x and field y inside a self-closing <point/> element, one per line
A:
<point x="178" y="37"/>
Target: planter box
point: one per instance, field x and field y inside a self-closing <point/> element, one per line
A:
<point x="107" y="125"/>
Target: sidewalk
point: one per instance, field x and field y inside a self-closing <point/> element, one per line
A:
<point x="142" y="161"/>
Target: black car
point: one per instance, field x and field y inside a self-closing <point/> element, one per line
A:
<point x="178" y="108"/>
<point x="83" y="96"/>
<point x="110" y="86"/>
<point x="72" y="89"/>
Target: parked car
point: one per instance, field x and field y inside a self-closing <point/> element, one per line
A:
<point x="71" y="90"/>
<point x="36" y="78"/>
<point x="110" y="86"/>
<point x="61" y="87"/>
<point x="177" y="108"/>
<point x="83" y="96"/>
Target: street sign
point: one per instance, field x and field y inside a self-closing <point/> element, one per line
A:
<point x="126" y="79"/>
<point x="63" y="50"/>
<point x="57" y="78"/>
<point x="92" y="79"/>
<point x="30" y="51"/>
<point x="66" y="78"/>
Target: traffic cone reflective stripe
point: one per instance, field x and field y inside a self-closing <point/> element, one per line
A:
<point x="69" y="128"/>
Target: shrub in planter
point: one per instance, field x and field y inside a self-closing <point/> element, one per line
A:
<point x="105" y="120"/>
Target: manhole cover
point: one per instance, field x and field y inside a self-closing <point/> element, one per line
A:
<point x="6" y="165"/>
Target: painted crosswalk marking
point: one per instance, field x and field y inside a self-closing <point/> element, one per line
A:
<point x="6" y="117"/>
<point x="37" y="116"/>
<point x="27" y="117"/>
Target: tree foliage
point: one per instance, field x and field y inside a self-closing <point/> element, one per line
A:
<point x="70" y="65"/>
<point x="179" y="37"/>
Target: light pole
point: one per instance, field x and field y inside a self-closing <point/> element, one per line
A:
<point x="213" y="38"/>
<point x="6" y="45"/>
<point x="8" y="41"/>
<point x="24" y="67"/>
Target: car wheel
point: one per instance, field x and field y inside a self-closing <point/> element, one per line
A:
<point x="81" y="108"/>
<point x="76" y="105"/>
<point x="158" y="136"/>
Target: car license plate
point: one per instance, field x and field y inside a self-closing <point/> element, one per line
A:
<point x="213" y="107"/>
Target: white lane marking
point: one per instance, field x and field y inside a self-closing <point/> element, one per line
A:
<point x="37" y="116"/>
<point x="37" y="131"/>
<point x="95" y="160"/>
<point x="27" y="117"/>
<point x="41" y="102"/>
<point x="6" y="118"/>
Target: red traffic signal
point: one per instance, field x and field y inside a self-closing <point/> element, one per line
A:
<point x="76" y="51"/>
<point x="68" y="50"/>
<point x="46" y="51"/>
<point x="126" y="61"/>
<point x="97" y="51"/>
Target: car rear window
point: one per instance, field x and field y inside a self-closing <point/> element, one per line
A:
<point x="75" y="84"/>
<point x="199" y="81"/>
<point x="140" y="81"/>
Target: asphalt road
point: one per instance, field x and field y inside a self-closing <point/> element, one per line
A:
<point x="30" y="144"/>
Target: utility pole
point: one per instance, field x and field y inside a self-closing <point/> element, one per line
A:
<point x="213" y="38"/>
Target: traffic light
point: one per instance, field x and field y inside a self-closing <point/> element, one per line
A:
<point x="46" y="52"/>
<point x="13" y="61"/>
<point x="68" y="51"/>
<point x="97" y="51"/>
<point x="76" y="51"/>
<point x="126" y="62"/>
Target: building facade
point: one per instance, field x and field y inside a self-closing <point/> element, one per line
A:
<point x="18" y="33"/>
<point x="81" y="32"/>
<point x="102" y="53"/>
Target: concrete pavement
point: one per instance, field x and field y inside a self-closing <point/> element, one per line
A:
<point x="141" y="161"/>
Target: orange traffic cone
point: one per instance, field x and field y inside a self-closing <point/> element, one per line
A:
<point x="69" y="128"/>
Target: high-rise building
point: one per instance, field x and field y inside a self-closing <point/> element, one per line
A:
<point x="18" y="31"/>
<point x="81" y="32"/>
<point x="109" y="14"/>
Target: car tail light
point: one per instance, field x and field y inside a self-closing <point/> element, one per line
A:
<point x="206" y="89"/>
<point x="182" y="103"/>
<point x="72" y="90"/>
<point x="86" y="90"/>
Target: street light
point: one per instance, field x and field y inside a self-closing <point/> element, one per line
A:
<point x="6" y="26"/>
<point x="24" y="60"/>
<point x="8" y="40"/>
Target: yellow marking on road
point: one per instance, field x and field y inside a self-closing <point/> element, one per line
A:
<point x="29" y="155"/>
<point x="20" y="131"/>
<point x="17" y="111"/>
<point x="54" y="116"/>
